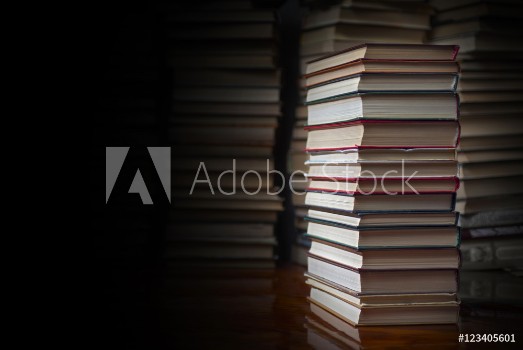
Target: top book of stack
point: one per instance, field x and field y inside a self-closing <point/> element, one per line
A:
<point x="402" y="52"/>
<point x="384" y="81"/>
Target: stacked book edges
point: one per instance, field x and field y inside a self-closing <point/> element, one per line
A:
<point x="383" y="177"/>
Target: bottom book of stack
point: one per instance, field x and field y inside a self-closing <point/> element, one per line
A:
<point x="399" y="308"/>
<point x="326" y="331"/>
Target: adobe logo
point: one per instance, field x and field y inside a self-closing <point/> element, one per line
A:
<point x="114" y="160"/>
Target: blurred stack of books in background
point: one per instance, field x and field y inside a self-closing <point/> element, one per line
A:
<point x="383" y="176"/>
<point x="491" y="150"/>
<point x="226" y="108"/>
<point x="328" y="28"/>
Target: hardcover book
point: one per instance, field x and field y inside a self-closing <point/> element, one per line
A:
<point x="385" y="281"/>
<point x="384" y="237"/>
<point x="383" y="134"/>
<point x="385" y="52"/>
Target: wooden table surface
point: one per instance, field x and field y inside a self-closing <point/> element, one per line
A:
<point x="267" y="310"/>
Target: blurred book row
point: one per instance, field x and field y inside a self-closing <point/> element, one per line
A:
<point x="226" y="108"/>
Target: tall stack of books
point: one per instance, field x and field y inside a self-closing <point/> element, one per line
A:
<point x="327" y="28"/>
<point x="226" y="107"/>
<point x="491" y="149"/>
<point x="382" y="135"/>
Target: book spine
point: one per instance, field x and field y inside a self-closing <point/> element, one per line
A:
<point x="458" y="111"/>
<point x="453" y="203"/>
<point x="457" y="273"/>
<point x="457" y="184"/>
<point x="455" y="85"/>
<point x="359" y="192"/>
<point x="356" y="179"/>
<point x="377" y="147"/>
<point x="458" y="138"/>
<point x="455" y="52"/>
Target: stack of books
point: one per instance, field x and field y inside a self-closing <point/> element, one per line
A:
<point x="226" y="107"/>
<point x="491" y="149"/>
<point x="382" y="135"/>
<point x="327" y="28"/>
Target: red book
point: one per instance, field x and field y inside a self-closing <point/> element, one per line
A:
<point x="386" y="185"/>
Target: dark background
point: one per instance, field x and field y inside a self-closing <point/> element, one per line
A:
<point x="130" y="87"/>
